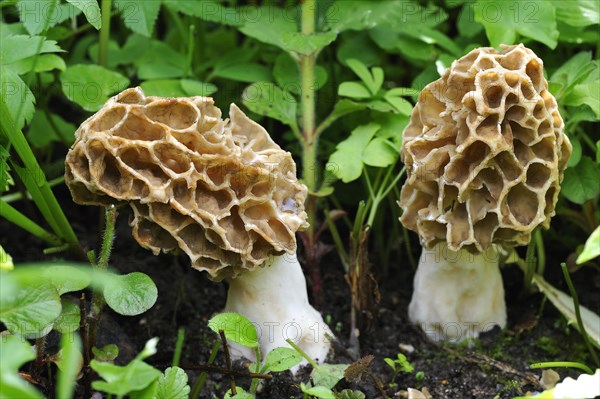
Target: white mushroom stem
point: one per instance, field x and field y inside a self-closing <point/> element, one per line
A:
<point x="457" y="295"/>
<point x="274" y="298"/>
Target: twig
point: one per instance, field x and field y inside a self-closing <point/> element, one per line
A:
<point x="228" y="362"/>
<point x="224" y="371"/>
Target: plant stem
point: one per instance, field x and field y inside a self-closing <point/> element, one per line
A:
<point x="16" y="217"/>
<point x="575" y="365"/>
<point x="104" y="33"/>
<point x="302" y="353"/>
<point x="190" y="52"/>
<point x="228" y="362"/>
<point x="582" y="330"/>
<point x="178" y="347"/>
<point x="199" y="384"/>
<point x="102" y="264"/>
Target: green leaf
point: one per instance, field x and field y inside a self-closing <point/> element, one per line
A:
<point x="504" y="21"/>
<point x="591" y="249"/>
<point x="363" y="73"/>
<point x="41" y="132"/>
<point x="197" y="88"/>
<point x="244" y="72"/>
<point x="578" y="13"/>
<point x="19" y="47"/>
<point x="380" y="153"/>
<point x="90" y="86"/>
<point x="572" y="72"/>
<point x="586" y="93"/>
<point x="287" y="74"/>
<point x="91" y="10"/>
<point x="576" y="152"/>
<point x="69" y="318"/>
<point x="240" y="394"/>
<point x="163" y="88"/>
<point x="120" y="380"/>
<point x="354" y="90"/>
<point x="237" y="328"/>
<point x="350" y="394"/>
<point x="173" y="384"/>
<point x="67" y="278"/>
<point x="6" y="262"/>
<point x="139" y="15"/>
<point x="14" y="352"/>
<point x="582" y="182"/>
<point x="31" y="310"/>
<point x="318" y="391"/>
<point x="145" y="393"/>
<point x="18" y="96"/>
<point x="40" y="15"/>
<point x="39" y="63"/>
<point x="267" y="99"/>
<point x="131" y="294"/>
<point x="564" y="303"/>
<point x="465" y="24"/>
<point x="71" y="362"/>
<point x="281" y="359"/>
<point x="328" y="375"/>
<point x="160" y="70"/>
<point x="107" y="353"/>
<point x="210" y="10"/>
<point x="343" y="163"/>
<point x="399" y="103"/>
<point x="270" y="24"/>
<point x="306" y="44"/>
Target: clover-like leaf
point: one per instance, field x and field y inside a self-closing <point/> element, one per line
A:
<point x="131" y="294"/>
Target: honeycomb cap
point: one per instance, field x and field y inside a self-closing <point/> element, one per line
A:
<point x="220" y="190"/>
<point x="484" y="151"/>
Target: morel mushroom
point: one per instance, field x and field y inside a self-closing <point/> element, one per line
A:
<point x="485" y="153"/>
<point x="219" y="190"/>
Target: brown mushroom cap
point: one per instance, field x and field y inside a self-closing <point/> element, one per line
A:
<point x="221" y="191"/>
<point x="485" y="152"/>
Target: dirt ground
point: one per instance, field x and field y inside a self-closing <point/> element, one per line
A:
<point x="495" y="366"/>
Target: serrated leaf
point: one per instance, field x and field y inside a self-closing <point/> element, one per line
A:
<point x="318" y="391"/>
<point x="39" y="63"/>
<point x="173" y="384"/>
<point x="107" y="353"/>
<point x="281" y="359"/>
<point x="582" y="182"/>
<point x="40" y="15"/>
<point x="504" y="21"/>
<point x="591" y="249"/>
<point x="357" y="369"/>
<point x="267" y="99"/>
<point x="131" y="294"/>
<point x="91" y="10"/>
<point x="328" y="375"/>
<point x="90" y="86"/>
<point x="139" y="15"/>
<point x="236" y="327"/>
<point x="354" y="90"/>
<point x="70" y="364"/>
<point x="69" y="318"/>
<point x="18" y="96"/>
<point x="18" y="47"/>
<point x="14" y="352"/>
<point x="31" y="310"/>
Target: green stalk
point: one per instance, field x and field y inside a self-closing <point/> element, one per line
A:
<point x="36" y="181"/>
<point x="307" y="76"/>
<point x="104" y="33"/>
<point x="16" y="217"/>
<point x="582" y="330"/>
<point x="302" y="353"/>
<point x="178" y="347"/>
<point x="575" y="365"/>
<point x="190" y="52"/>
<point x="202" y="378"/>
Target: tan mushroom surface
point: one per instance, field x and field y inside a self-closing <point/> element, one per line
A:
<point x="485" y="152"/>
<point x="220" y="190"/>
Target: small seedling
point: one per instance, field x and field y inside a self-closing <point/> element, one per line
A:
<point x="398" y="365"/>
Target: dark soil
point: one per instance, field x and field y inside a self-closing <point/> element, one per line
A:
<point x="495" y="366"/>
